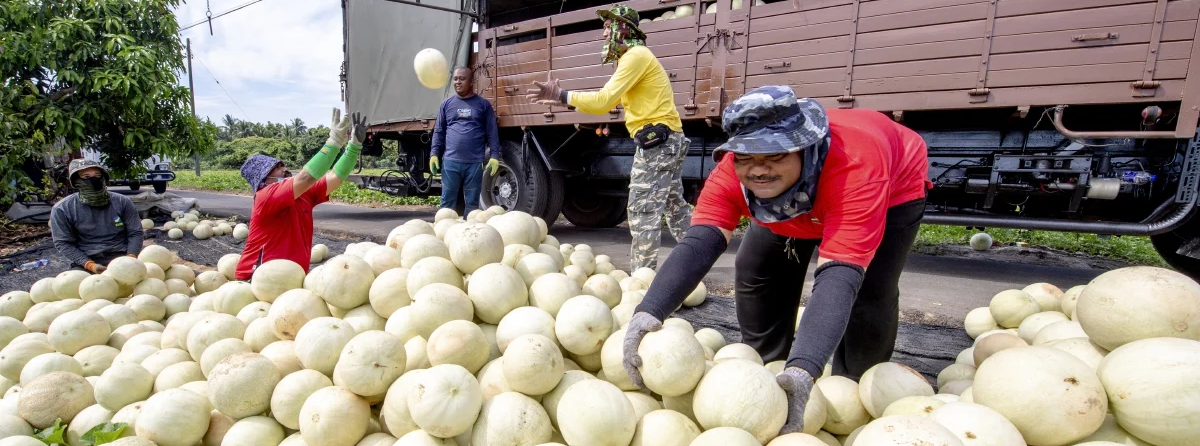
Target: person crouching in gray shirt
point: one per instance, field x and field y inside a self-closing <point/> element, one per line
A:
<point x="93" y="226"/>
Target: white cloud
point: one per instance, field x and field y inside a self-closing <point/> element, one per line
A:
<point x="278" y="59"/>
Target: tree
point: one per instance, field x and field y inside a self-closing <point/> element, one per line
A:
<point x="98" y="74"/>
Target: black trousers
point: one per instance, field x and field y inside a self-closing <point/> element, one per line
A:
<point x="769" y="276"/>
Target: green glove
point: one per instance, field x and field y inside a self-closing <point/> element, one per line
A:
<point x="346" y="163"/>
<point x="338" y="134"/>
<point x="434" y="165"/>
<point x="494" y="165"/>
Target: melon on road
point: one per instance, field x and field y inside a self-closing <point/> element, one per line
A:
<point x="664" y="428"/>
<point x="319" y="343"/>
<point x="1010" y="307"/>
<point x="495" y="290"/>
<point x="53" y="396"/>
<point x="472" y="245"/>
<point x="343" y="281"/>
<point x="1151" y="385"/>
<point x="513" y="419"/>
<point x="174" y="417"/>
<point x="446" y="400"/>
<point x="739" y="393"/>
<point x="241" y="385"/>
<point x="294" y="308"/>
<point x="845" y="411"/>
<point x="369" y="363"/>
<point x="75" y="330"/>
<point x="1140" y="302"/>
<point x="672" y="362"/>
<point x="291" y="392"/>
<point x="458" y="342"/>
<point x="906" y="430"/>
<point x="976" y="424"/>
<point x="533" y="364"/>
<point x="594" y="412"/>
<point x="888" y="382"/>
<point x="334" y="416"/>
<point x="1052" y="397"/>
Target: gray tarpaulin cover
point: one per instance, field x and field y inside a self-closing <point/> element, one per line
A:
<point x="383" y="38"/>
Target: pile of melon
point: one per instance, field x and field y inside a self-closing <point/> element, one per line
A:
<point x="487" y="331"/>
<point x="184" y="222"/>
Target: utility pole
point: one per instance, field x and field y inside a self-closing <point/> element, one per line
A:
<point x="192" y="93"/>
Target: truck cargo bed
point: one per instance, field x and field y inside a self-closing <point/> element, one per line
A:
<point x="887" y="55"/>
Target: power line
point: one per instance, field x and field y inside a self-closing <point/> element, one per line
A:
<point x="210" y="17"/>
<point x="214" y="78"/>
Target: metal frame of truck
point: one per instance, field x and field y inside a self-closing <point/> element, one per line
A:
<point x="1072" y="115"/>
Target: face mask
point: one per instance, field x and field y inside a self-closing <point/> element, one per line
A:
<point x="786" y="206"/>
<point x="92" y="191"/>
<point x="620" y="38"/>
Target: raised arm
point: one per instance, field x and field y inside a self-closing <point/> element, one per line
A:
<point x="345" y="164"/>
<point x="339" y="132"/>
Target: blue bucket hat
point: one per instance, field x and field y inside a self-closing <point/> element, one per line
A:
<point x="256" y="168"/>
<point x="770" y="120"/>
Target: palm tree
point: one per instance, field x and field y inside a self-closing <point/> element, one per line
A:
<point x="298" y="126"/>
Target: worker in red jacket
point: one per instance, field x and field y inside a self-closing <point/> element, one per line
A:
<point x="281" y="221"/>
<point x="848" y="183"/>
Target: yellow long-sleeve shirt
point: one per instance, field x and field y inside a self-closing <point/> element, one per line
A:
<point x="642" y="87"/>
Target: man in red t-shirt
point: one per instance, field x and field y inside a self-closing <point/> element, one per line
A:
<point x="848" y="183"/>
<point x="281" y="222"/>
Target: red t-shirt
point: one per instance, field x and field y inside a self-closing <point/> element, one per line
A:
<point x="281" y="226"/>
<point x="873" y="164"/>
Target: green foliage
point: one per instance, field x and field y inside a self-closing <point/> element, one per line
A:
<point x="54" y="434"/>
<point x="103" y="434"/>
<point x="89" y="73"/>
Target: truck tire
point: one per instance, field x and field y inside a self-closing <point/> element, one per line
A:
<point x="1167" y="243"/>
<point x="160" y="187"/>
<point x="134" y="185"/>
<point x="527" y="187"/>
<point x="594" y="211"/>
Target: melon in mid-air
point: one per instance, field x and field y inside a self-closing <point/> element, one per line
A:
<point x="432" y="69"/>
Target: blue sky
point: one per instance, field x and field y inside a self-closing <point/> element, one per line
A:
<point x="277" y="59"/>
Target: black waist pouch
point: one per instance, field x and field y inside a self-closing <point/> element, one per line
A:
<point x="652" y="135"/>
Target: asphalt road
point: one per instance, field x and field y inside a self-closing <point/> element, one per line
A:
<point x="935" y="289"/>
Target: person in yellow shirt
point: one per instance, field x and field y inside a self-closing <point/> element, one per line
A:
<point x="642" y="87"/>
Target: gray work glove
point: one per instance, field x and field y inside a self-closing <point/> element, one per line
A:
<point x="641" y="323"/>
<point x="797" y="384"/>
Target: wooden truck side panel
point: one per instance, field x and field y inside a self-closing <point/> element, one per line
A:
<point x="887" y="55"/>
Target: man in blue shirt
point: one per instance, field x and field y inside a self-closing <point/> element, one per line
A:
<point x="466" y="126"/>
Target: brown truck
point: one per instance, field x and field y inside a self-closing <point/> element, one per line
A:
<point x="1066" y="115"/>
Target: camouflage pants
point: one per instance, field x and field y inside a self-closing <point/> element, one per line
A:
<point x="655" y="191"/>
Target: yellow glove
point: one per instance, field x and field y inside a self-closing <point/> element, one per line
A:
<point x="494" y="165"/>
<point x="434" y="164"/>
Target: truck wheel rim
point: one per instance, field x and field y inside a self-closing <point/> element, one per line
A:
<point x="504" y="189"/>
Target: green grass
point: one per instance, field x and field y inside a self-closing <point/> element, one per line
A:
<point x="1135" y="250"/>
<point x="231" y="181"/>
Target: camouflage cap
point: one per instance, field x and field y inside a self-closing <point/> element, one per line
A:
<point x="624" y="14"/>
<point x="769" y="120"/>
<point x="80" y="164"/>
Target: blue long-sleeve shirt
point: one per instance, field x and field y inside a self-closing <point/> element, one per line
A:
<point x="465" y="128"/>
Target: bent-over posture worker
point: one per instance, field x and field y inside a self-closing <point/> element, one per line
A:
<point x="93" y="226"/>
<point x="642" y="87"/>
<point x="281" y="221"/>
<point x="848" y="183"/>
